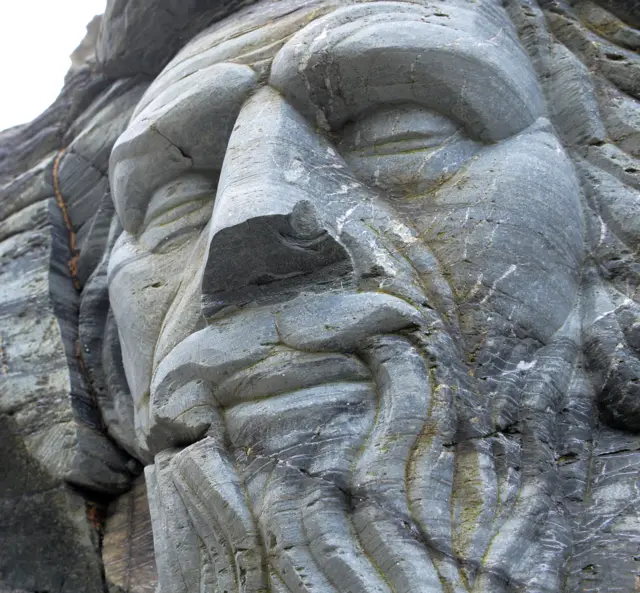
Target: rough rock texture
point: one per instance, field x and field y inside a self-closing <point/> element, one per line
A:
<point x="127" y="552"/>
<point x="357" y="284"/>
<point x="56" y="457"/>
<point x="141" y="37"/>
<point x="46" y="541"/>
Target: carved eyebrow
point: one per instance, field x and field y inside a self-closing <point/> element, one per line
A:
<point x="185" y="128"/>
<point x="253" y="35"/>
<point x="466" y="66"/>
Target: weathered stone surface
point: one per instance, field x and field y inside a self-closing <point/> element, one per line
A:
<point x="356" y="281"/>
<point x="43" y="390"/>
<point x="141" y="37"/>
<point x="86" y="50"/>
<point x="52" y="432"/>
<point x="127" y="547"/>
<point x="46" y="541"/>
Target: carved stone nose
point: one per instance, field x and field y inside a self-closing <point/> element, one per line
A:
<point x="273" y="231"/>
<point x="271" y="257"/>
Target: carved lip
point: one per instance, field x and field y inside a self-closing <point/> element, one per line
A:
<point x="262" y="352"/>
<point x="286" y="371"/>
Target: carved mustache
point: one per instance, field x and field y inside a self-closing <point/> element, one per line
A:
<point x="208" y="491"/>
<point x="184" y="403"/>
<point x="219" y="368"/>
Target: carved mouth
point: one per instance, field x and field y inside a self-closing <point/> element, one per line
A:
<point x="255" y="354"/>
<point x="301" y="408"/>
<point x="285" y="371"/>
<point x="312" y="469"/>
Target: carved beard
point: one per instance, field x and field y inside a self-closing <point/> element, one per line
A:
<point x="374" y="484"/>
<point x="286" y="515"/>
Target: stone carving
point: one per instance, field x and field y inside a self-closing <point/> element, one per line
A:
<point x="367" y="307"/>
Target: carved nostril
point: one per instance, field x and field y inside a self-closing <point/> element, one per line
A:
<point x="269" y="258"/>
<point x="304" y="221"/>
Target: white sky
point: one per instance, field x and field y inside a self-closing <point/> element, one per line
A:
<point x="36" y="39"/>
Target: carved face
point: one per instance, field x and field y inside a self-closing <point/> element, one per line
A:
<point x="344" y="225"/>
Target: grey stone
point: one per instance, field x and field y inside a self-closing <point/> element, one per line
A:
<point x="172" y="141"/>
<point x="55" y="455"/>
<point x="356" y="281"/>
<point x="47" y="543"/>
<point x="127" y="547"/>
<point x="306" y="325"/>
<point x="622" y="116"/>
<point x="85" y="52"/>
<point x="140" y="37"/>
<point x="43" y="388"/>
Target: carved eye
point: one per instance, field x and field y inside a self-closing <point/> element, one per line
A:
<point x="405" y="150"/>
<point x="177" y="211"/>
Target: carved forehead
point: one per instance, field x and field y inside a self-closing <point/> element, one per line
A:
<point x="250" y="36"/>
<point x="256" y="34"/>
<point x="333" y="60"/>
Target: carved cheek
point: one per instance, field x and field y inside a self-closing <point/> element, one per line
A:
<point x="507" y="231"/>
<point x="503" y="220"/>
<point x="142" y="286"/>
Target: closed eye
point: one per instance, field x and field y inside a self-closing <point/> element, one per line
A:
<point x="179" y="196"/>
<point x="395" y="146"/>
<point x="177" y="211"/>
<point x="405" y="150"/>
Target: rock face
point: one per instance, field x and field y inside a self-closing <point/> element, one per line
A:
<point x="52" y="436"/>
<point x="127" y="553"/>
<point x="317" y="296"/>
<point x="141" y="37"/>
